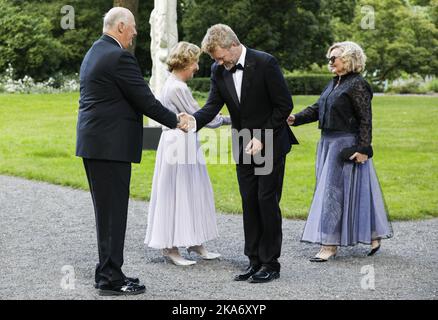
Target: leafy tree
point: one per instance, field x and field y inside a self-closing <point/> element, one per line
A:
<point x="33" y="41"/>
<point x="294" y="31"/>
<point x="341" y="10"/>
<point x="24" y="42"/>
<point x="297" y="32"/>
<point x="143" y="47"/>
<point x="404" y="38"/>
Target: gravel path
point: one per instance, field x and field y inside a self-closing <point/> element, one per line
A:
<point x="46" y="227"/>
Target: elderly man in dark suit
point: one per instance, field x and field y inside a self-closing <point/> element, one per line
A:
<point x="252" y="86"/>
<point x="113" y="99"/>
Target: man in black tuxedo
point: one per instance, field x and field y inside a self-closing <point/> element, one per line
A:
<point x="113" y="99"/>
<point x="252" y="86"/>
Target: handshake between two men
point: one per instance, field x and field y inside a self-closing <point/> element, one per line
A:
<point x="186" y="122"/>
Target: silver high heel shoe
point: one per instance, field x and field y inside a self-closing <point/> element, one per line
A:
<point x="325" y="257"/>
<point x="174" y="256"/>
<point x="203" y="252"/>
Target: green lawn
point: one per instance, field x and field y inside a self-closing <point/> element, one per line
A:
<point x="37" y="135"/>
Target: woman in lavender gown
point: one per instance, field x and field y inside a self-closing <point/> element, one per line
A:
<point x="182" y="211"/>
<point x="347" y="206"/>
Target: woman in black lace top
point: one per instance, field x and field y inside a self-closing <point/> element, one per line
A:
<point x="347" y="206"/>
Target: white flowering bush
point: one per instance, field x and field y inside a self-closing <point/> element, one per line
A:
<point x="413" y="84"/>
<point x="62" y="83"/>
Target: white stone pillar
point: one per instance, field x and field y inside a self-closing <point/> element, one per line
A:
<point x="164" y="35"/>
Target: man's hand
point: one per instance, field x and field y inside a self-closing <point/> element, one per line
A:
<point x="360" y="158"/>
<point x="186" y="122"/>
<point x="291" y="119"/>
<point x="254" y="147"/>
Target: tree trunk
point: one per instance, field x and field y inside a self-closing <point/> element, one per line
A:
<point x="132" y="5"/>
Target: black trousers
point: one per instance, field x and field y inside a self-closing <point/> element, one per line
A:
<point x="109" y="185"/>
<point x="261" y="196"/>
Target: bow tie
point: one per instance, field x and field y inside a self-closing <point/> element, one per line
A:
<point x="236" y="67"/>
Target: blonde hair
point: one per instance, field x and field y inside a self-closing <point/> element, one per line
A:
<point x="219" y="35"/>
<point x="352" y="55"/>
<point x="182" y="55"/>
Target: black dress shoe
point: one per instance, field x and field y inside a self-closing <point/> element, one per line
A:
<point x="132" y="280"/>
<point x="127" y="280"/>
<point x="248" y="273"/>
<point x="265" y="274"/>
<point x="123" y="290"/>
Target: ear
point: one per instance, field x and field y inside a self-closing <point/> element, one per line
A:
<point x="120" y="27"/>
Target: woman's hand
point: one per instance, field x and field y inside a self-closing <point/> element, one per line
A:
<point x="360" y="157"/>
<point x="291" y="119"/>
<point x="226" y="120"/>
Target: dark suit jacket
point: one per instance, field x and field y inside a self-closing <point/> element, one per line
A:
<point x="265" y="100"/>
<point x="113" y="99"/>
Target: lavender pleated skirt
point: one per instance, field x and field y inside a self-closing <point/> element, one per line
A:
<point x="347" y="206"/>
<point x="181" y="211"/>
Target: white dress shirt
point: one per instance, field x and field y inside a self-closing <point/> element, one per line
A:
<point x="114" y="39"/>
<point x="238" y="75"/>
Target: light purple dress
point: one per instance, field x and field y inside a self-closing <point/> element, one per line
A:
<point x="181" y="211"/>
<point x="348" y="205"/>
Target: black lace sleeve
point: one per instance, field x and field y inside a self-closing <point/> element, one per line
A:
<point x="310" y="114"/>
<point x="361" y="95"/>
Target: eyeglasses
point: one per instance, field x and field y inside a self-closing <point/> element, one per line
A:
<point x="332" y="59"/>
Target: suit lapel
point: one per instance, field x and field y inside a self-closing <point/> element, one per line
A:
<point x="248" y="74"/>
<point x="229" y="83"/>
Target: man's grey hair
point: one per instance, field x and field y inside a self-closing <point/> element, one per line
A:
<point x="114" y="16"/>
<point x="219" y="36"/>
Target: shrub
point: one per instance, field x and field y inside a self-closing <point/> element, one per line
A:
<point x="432" y="85"/>
<point x="414" y="84"/>
<point x="297" y="83"/>
<point x="198" y="95"/>
<point x="307" y="83"/>
<point x="27" y="44"/>
<point x="56" y="84"/>
<point x="199" y="84"/>
<point x="376" y="86"/>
